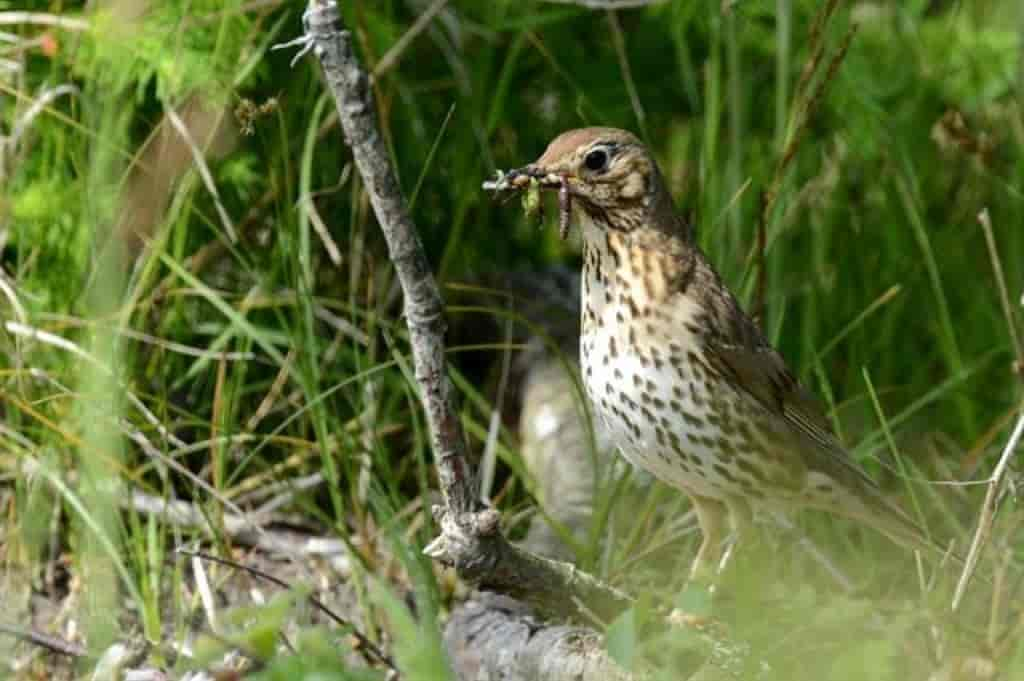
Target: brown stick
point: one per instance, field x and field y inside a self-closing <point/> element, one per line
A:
<point x="52" y="643"/>
<point x="470" y="537"/>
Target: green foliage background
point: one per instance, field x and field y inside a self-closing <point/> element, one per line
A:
<point x="881" y="289"/>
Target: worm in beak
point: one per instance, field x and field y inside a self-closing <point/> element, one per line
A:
<point x="529" y="181"/>
<point x="564" y="210"/>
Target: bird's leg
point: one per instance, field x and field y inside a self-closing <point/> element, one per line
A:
<point x="741" y="517"/>
<point x="711" y="515"/>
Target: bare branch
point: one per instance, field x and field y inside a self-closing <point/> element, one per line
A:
<point x="470" y="539"/>
<point x="424" y="310"/>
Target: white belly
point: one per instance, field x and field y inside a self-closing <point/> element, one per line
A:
<point x="642" y="369"/>
<point x="657" y="413"/>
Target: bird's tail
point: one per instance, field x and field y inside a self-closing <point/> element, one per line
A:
<point x="876" y="511"/>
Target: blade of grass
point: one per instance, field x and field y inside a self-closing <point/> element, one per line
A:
<point x="893" y="449"/>
<point x="946" y="328"/>
<point x="429" y="161"/>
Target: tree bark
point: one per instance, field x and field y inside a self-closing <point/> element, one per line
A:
<point x="492" y="638"/>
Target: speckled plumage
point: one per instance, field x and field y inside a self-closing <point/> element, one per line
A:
<point x="684" y="381"/>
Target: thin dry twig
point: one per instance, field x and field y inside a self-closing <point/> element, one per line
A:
<point x="1004" y="295"/>
<point x="988" y="512"/>
<point x="51" y="643"/>
<point x="367" y="648"/>
<point x="333" y="252"/>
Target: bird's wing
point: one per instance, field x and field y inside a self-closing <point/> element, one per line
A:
<point x="762" y="373"/>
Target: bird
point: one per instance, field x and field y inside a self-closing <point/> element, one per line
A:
<point x="683" y="380"/>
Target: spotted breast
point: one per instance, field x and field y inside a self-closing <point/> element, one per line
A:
<point x="646" y="375"/>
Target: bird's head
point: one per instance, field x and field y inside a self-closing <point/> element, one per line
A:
<point x="605" y="173"/>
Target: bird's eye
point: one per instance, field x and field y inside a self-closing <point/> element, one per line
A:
<point x="596" y="160"/>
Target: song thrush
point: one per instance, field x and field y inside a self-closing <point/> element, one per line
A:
<point x="683" y="379"/>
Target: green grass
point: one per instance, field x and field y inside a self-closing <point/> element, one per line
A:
<point x="245" y="363"/>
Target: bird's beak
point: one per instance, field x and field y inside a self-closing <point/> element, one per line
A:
<point x="520" y="179"/>
<point x="547" y="180"/>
